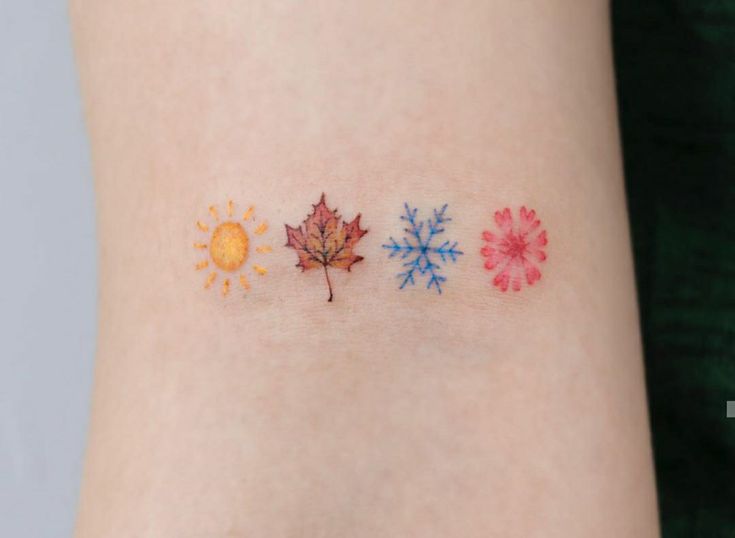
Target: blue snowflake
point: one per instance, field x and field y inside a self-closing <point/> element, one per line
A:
<point x="421" y="250"/>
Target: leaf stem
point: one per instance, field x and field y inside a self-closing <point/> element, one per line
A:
<point x="329" y="283"/>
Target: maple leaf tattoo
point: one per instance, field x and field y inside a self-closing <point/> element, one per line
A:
<point x="324" y="240"/>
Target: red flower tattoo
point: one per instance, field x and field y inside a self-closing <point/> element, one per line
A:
<point x="514" y="251"/>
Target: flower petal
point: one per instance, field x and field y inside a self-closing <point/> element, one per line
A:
<point x="493" y="257"/>
<point x="529" y="222"/>
<point x="517" y="282"/>
<point x="504" y="220"/>
<point x="489" y="237"/>
<point x="501" y="281"/>
<point x="541" y="239"/>
<point x="532" y="272"/>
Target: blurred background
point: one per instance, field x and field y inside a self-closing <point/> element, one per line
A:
<point x="47" y="271"/>
<point x="675" y="67"/>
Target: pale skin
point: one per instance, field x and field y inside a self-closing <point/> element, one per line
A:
<point x="385" y="413"/>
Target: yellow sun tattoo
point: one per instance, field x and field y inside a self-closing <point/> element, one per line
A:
<point x="229" y="247"/>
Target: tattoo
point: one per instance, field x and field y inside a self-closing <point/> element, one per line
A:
<point x="322" y="243"/>
<point x="421" y="250"/>
<point x="512" y="252"/>
<point x="228" y="245"/>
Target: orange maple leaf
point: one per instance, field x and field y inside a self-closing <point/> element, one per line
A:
<point x="321" y="242"/>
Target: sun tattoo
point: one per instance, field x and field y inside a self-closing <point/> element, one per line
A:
<point x="228" y="246"/>
<point x="321" y="242"/>
<point x="513" y="251"/>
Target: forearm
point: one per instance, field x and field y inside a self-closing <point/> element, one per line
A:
<point x="386" y="412"/>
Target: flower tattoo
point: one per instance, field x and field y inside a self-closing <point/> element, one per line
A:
<point x="515" y="251"/>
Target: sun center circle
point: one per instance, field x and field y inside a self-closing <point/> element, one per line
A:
<point x="229" y="246"/>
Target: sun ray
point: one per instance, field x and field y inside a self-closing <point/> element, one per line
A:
<point x="249" y="213"/>
<point x="201" y="265"/>
<point x="260" y="269"/>
<point x="244" y="282"/>
<point x="264" y="249"/>
<point x="261" y="229"/>
<point x="225" y="287"/>
<point x="213" y="212"/>
<point x="200" y="246"/>
<point x="203" y="227"/>
<point x="210" y="280"/>
<point x="229" y="208"/>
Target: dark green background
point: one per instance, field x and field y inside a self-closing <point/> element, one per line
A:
<point x="675" y="63"/>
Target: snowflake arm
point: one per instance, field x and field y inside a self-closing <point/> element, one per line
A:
<point x="397" y="248"/>
<point x="435" y="225"/>
<point x="447" y="251"/>
<point x="436" y="280"/>
<point x="414" y="228"/>
<point x="407" y="275"/>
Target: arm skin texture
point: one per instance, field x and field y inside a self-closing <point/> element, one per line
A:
<point x="386" y="413"/>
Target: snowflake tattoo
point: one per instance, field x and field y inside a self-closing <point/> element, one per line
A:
<point x="513" y="251"/>
<point x="420" y="249"/>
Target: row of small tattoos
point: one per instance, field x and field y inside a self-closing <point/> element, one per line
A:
<point x="512" y="250"/>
